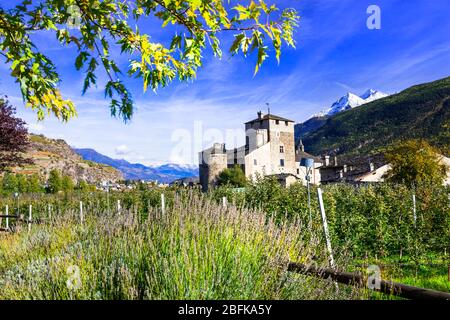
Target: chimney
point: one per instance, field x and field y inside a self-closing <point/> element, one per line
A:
<point x="260" y="115"/>
<point x="371" y="167"/>
<point x="327" y="160"/>
<point x="335" y="161"/>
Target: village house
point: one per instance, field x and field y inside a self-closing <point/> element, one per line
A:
<point x="363" y="169"/>
<point x="269" y="150"/>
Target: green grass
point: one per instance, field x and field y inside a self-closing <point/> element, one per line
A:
<point x="431" y="277"/>
<point x="199" y="250"/>
<point x="39" y="139"/>
<point x="196" y="250"/>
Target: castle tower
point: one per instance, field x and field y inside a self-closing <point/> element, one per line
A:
<point x="270" y="143"/>
<point x="212" y="161"/>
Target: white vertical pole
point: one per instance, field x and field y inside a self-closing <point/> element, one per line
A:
<point x="81" y="212"/>
<point x="30" y="212"/>
<point x="7" y="219"/>
<point x="224" y="202"/>
<point x="119" y="208"/>
<point x="309" y="198"/>
<point x="414" y="209"/>
<point x="325" y="226"/>
<point x="163" y="204"/>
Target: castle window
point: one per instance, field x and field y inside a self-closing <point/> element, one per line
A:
<point x="255" y="162"/>
<point x="286" y="123"/>
<point x="298" y="171"/>
<point x="282" y="162"/>
<point x="277" y="122"/>
<point x="281" y="149"/>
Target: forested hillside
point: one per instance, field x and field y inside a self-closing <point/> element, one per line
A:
<point x="422" y="111"/>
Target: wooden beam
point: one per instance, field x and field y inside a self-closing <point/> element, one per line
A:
<point x="387" y="287"/>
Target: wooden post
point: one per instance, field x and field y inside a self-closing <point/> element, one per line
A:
<point x="325" y="227"/>
<point x="119" y="208"/>
<point x="49" y="211"/>
<point x="449" y="272"/>
<point x="30" y="213"/>
<point x="7" y="219"/>
<point x="163" y="204"/>
<point x="81" y="212"/>
<point x="414" y="209"/>
<point x="224" y="202"/>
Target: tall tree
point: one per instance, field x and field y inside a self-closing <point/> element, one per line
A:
<point x="54" y="182"/>
<point x="67" y="184"/>
<point x="9" y="183"/>
<point x="415" y="162"/>
<point x="34" y="184"/>
<point x="94" y="27"/>
<point x="13" y="137"/>
<point x="22" y="183"/>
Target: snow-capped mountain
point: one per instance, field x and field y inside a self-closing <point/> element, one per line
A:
<point x="350" y="101"/>
<point x="372" y="95"/>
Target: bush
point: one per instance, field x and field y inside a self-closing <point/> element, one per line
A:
<point x="233" y="177"/>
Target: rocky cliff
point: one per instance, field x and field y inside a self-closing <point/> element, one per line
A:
<point x="48" y="154"/>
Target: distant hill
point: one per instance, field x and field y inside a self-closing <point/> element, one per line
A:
<point x="301" y="130"/>
<point x="48" y="154"/>
<point x="134" y="171"/>
<point x="422" y="111"/>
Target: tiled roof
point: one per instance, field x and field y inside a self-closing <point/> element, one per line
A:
<point x="302" y="154"/>
<point x="270" y="117"/>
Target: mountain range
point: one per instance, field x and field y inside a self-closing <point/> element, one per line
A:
<point x="350" y="101"/>
<point x="55" y="154"/>
<point x="135" y="171"/>
<point x="346" y="102"/>
<point x="421" y="111"/>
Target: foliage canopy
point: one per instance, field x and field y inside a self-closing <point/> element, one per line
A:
<point x="232" y="176"/>
<point x="413" y="162"/>
<point x="95" y="26"/>
<point x="13" y="137"/>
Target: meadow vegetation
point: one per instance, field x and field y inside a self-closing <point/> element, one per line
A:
<point x="199" y="249"/>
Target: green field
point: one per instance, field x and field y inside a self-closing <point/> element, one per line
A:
<point x="197" y="249"/>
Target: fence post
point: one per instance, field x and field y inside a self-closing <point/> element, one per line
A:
<point x="7" y="219"/>
<point x="414" y="209"/>
<point x="449" y="272"/>
<point x="224" y="202"/>
<point x="49" y="211"/>
<point x="325" y="227"/>
<point x="81" y="212"/>
<point x="119" y="208"/>
<point x="163" y="204"/>
<point x="30" y="213"/>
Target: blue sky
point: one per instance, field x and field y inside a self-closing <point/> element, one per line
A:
<point x="335" y="53"/>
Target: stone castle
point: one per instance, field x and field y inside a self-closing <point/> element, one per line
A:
<point x="269" y="150"/>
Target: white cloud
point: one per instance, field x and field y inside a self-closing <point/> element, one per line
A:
<point x="122" y="150"/>
<point x="35" y="127"/>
